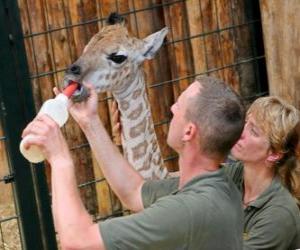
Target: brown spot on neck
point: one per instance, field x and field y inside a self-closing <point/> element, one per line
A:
<point x="138" y="129"/>
<point x="136" y="113"/>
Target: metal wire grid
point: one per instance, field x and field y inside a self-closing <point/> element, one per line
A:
<point x="257" y="59"/>
<point x="9" y="224"/>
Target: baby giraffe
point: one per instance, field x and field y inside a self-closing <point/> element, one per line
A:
<point x="112" y="61"/>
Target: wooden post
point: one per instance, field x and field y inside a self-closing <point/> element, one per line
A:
<point x="281" y="29"/>
<point x="180" y="49"/>
<point x="195" y="29"/>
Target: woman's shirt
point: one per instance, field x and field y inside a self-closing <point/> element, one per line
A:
<point x="272" y="221"/>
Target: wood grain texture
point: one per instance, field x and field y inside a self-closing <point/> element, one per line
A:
<point x="281" y="29"/>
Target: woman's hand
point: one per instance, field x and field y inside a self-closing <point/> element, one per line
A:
<point x="116" y="123"/>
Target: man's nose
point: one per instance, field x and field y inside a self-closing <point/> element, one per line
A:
<point x="172" y="109"/>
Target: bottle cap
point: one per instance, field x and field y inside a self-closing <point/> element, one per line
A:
<point x="70" y="89"/>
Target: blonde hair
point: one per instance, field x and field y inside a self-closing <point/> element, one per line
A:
<point x="280" y="121"/>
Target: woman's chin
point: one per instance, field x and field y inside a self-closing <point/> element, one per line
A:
<point x="235" y="152"/>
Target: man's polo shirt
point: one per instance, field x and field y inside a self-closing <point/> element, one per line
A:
<point x="204" y="214"/>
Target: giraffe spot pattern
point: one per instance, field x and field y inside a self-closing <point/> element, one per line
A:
<point x="139" y="151"/>
<point x="138" y="129"/>
<point x="124" y="105"/>
<point x="136" y="113"/>
<point x="100" y="77"/>
<point x="136" y="94"/>
<point x="114" y="76"/>
<point x="146" y="163"/>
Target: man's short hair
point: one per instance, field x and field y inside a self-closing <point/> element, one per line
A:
<point x="219" y="113"/>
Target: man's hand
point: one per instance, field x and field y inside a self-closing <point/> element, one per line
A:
<point x="87" y="111"/>
<point x="46" y="134"/>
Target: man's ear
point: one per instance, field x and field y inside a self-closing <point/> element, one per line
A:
<point x="190" y="131"/>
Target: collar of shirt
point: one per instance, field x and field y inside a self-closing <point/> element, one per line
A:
<point x="202" y="180"/>
<point x="266" y="195"/>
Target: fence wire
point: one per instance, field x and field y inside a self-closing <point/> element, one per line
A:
<point x="9" y="218"/>
<point x="254" y="59"/>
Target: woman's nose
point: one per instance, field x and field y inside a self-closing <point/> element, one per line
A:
<point x="243" y="135"/>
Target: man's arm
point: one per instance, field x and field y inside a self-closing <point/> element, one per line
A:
<point x="75" y="227"/>
<point x="122" y="177"/>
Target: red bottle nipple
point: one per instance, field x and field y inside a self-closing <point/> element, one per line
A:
<point x="70" y="89"/>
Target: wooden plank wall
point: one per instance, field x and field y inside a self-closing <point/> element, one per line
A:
<point x="205" y="36"/>
<point x="281" y="28"/>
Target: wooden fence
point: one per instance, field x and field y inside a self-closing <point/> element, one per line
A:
<point x="280" y="21"/>
<point x="215" y="37"/>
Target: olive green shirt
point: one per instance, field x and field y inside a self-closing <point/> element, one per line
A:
<point x="272" y="221"/>
<point x="205" y="214"/>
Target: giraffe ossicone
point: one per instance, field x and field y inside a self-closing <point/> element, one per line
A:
<point x="112" y="61"/>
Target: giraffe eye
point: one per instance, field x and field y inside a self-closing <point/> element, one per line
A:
<point x="117" y="58"/>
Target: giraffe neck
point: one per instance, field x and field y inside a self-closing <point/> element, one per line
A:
<point x="139" y="140"/>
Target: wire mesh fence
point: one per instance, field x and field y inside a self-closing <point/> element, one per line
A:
<point x="222" y="38"/>
<point x="213" y="37"/>
<point x="9" y="218"/>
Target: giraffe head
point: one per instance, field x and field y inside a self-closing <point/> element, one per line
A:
<point x="112" y="58"/>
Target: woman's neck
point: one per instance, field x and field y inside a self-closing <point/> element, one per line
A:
<point x="257" y="178"/>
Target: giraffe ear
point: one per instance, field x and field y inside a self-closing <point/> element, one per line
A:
<point x="115" y="18"/>
<point x="153" y="42"/>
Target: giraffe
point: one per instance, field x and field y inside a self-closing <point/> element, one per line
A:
<point x="112" y="61"/>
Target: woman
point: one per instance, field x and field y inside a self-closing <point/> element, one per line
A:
<point x="268" y="175"/>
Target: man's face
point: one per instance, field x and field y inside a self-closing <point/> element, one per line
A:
<point x="179" y="121"/>
<point x="253" y="145"/>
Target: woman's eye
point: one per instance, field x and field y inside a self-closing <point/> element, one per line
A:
<point x="254" y="132"/>
<point x="117" y="58"/>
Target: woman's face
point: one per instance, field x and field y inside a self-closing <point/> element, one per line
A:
<point x="253" y="145"/>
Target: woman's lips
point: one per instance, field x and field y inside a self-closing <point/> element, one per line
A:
<point x="238" y="146"/>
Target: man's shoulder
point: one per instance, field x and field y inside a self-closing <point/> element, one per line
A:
<point x="215" y="191"/>
<point x="235" y="171"/>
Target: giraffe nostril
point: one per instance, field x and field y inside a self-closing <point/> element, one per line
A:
<point x="74" y="69"/>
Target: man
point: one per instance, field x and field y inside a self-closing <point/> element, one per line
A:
<point x="199" y="210"/>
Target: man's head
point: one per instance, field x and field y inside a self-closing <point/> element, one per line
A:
<point x="210" y="112"/>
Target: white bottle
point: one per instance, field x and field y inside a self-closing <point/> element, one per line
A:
<point x="55" y="108"/>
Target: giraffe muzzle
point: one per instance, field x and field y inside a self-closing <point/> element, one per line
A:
<point x="81" y="93"/>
